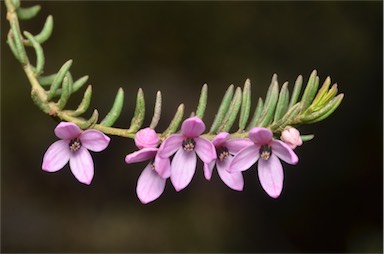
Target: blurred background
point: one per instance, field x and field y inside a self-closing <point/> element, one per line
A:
<point x="331" y="201"/>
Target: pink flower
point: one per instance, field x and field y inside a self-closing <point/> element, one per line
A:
<point x="151" y="182"/>
<point x="186" y="145"/>
<point x="270" y="170"/>
<point x="225" y="149"/>
<point x="291" y="137"/>
<point x="73" y="147"/>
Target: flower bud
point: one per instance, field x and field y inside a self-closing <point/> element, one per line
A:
<point x="291" y="137"/>
<point x="146" y="138"/>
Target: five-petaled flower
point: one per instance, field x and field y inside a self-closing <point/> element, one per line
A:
<point x="151" y="182"/>
<point x="73" y="147"/>
<point x="269" y="151"/>
<point x="186" y="145"/>
<point x="225" y="150"/>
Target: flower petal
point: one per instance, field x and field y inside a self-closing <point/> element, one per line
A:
<point x="141" y="155"/>
<point x="146" y="138"/>
<point x="284" y="152"/>
<point x="233" y="180"/>
<point x="149" y="185"/>
<point x="163" y="167"/>
<point x="81" y="164"/>
<point x="208" y="169"/>
<point x="205" y="149"/>
<point x="192" y="127"/>
<point x="220" y="138"/>
<point x="235" y="145"/>
<point x="56" y="156"/>
<point x="183" y="168"/>
<point x="244" y="159"/>
<point x="260" y="135"/>
<point x="66" y="130"/>
<point x="271" y="176"/>
<point x="94" y="140"/>
<point x="170" y="145"/>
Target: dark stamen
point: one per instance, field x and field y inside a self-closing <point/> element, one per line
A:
<point x="74" y="144"/>
<point x="265" y="152"/>
<point x="222" y="153"/>
<point x="189" y="144"/>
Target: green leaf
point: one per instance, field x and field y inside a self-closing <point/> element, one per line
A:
<point x="202" y="102"/>
<point x="287" y="119"/>
<point x="46" y="80"/>
<point x="322" y="92"/>
<point x="296" y="91"/>
<point x="19" y="46"/>
<point x="39" y="53"/>
<point x="323" y="113"/>
<point x="308" y="137"/>
<point x="156" y="111"/>
<point x="310" y="91"/>
<point x="46" y="31"/>
<point x="58" y="79"/>
<point x="65" y="94"/>
<point x="222" y="109"/>
<point x="256" y="114"/>
<point x="329" y="96"/>
<point x="139" y="114"/>
<point x="28" y="13"/>
<point x="245" y="105"/>
<point x="269" y="105"/>
<point x="85" y="102"/>
<point x="231" y="115"/>
<point x="115" y="111"/>
<point x="12" y="46"/>
<point x="282" y="104"/>
<point x="175" y="123"/>
<point x="91" y="122"/>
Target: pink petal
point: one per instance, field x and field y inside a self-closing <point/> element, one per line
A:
<point x="233" y="180"/>
<point x="244" y="159"/>
<point x="192" y="127"/>
<point x="141" y="155"/>
<point x="208" y="169"/>
<point x="163" y="167"/>
<point x="235" y="145"/>
<point x="205" y="150"/>
<point x="260" y="135"/>
<point x="146" y="138"/>
<point x="81" y="165"/>
<point x="220" y="138"/>
<point x="183" y="168"/>
<point x="65" y="130"/>
<point x="94" y="140"/>
<point x="170" y="145"/>
<point x="56" y="156"/>
<point x="149" y="185"/>
<point x="284" y="152"/>
<point x="271" y="176"/>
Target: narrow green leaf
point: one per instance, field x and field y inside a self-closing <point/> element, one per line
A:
<point x="323" y="113"/>
<point x="282" y="104"/>
<point x="28" y="13"/>
<point x="46" y="31"/>
<point x="91" y="122"/>
<point x="329" y="96"/>
<point x="40" y="60"/>
<point x="202" y="102"/>
<point x="46" y="80"/>
<point x="84" y="104"/>
<point x="65" y="94"/>
<point x="269" y="105"/>
<point x="222" y="109"/>
<point x="256" y="114"/>
<point x="115" y="111"/>
<point x="156" y="111"/>
<point x="138" y="116"/>
<point x="12" y="46"/>
<point x="245" y="105"/>
<point x="322" y="92"/>
<point x="58" y="79"/>
<point x="296" y="91"/>
<point x="16" y="3"/>
<point x="234" y="108"/>
<point x="308" y="137"/>
<point x="287" y="119"/>
<point x="76" y="85"/>
<point x="22" y="55"/>
<point x="175" y="123"/>
<point x="310" y="91"/>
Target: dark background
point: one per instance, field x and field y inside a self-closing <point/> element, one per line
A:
<point x="332" y="200"/>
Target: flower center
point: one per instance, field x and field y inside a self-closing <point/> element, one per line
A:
<point x="152" y="166"/>
<point x="265" y="152"/>
<point x="189" y="144"/>
<point x="74" y="144"/>
<point x="222" y="153"/>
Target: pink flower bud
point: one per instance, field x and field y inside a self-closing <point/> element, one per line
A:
<point x="146" y="138"/>
<point x="291" y="137"/>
